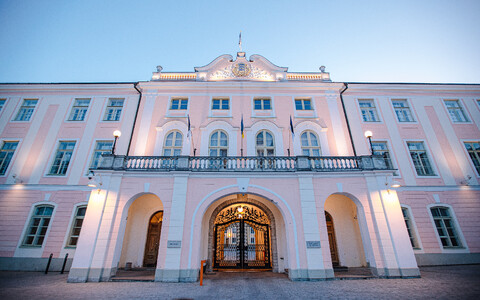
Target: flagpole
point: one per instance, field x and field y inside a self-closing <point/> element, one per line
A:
<point x="241" y="135"/>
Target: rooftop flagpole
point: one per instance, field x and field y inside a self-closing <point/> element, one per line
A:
<point x="240" y="41"/>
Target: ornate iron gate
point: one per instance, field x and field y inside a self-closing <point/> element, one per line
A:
<point x="242" y="240"/>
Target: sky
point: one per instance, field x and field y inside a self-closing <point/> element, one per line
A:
<point x="123" y="41"/>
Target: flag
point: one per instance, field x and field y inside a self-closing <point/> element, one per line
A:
<point x="240" y="40"/>
<point x="241" y="128"/>
<point x="189" y="129"/>
<point x="291" y="128"/>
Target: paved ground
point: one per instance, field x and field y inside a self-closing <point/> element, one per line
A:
<point x="453" y="282"/>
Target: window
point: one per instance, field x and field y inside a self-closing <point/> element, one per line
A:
<point x="37" y="229"/>
<point x="410" y="229"/>
<point x="79" y="110"/>
<point x="455" y="111"/>
<point x="76" y="226"/>
<point x="310" y="146"/>
<point x="6" y="154"/>
<point x="218" y="144"/>
<point x="402" y="110"/>
<point x="262" y="104"/>
<point x="420" y="159"/>
<point x="26" y="110"/>
<point x="478" y="102"/>
<point x="265" y="145"/>
<point x="173" y="144"/>
<point x="445" y="227"/>
<point x="62" y="158"/>
<point x="473" y="149"/>
<point x="114" y="109"/>
<point x="101" y="147"/>
<point x="381" y="148"/>
<point x="303" y="104"/>
<point x="368" y="109"/>
<point x="2" y="104"/>
<point x="179" y="104"/>
<point x="219" y="104"/>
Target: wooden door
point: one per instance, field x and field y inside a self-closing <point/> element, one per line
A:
<point x="153" y="240"/>
<point x="331" y="239"/>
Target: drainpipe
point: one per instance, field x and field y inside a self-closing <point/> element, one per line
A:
<point x="346" y="118"/>
<point x="136" y="115"/>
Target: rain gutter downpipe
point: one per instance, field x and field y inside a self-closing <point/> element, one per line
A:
<point x="136" y="115"/>
<point x="346" y="117"/>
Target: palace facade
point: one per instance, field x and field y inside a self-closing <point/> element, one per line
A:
<point x="242" y="164"/>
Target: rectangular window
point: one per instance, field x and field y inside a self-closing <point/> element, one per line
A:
<point x="445" y="227"/>
<point x="410" y="229"/>
<point x="6" y="154"/>
<point x="62" y="158"/>
<point x="420" y="159"/>
<point x="220" y="103"/>
<point x="101" y="147"/>
<point x="381" y="148"/>
<point x="76" y="226"/>
<point x="179" y="104"/>
<point x="79" y="110"/>
<point x="2" y="104"/>
<point x="455" y="111"/>
<point x="402" y="110"/>
<point x="26" y="110"/>
<point x="473" y="149"/>
<point x="263" y="104"/>
<point x="38" y="226"/>
<point x="368" y="109"/>
<point x="114" y="109"/>
<point x="303" y="104"/>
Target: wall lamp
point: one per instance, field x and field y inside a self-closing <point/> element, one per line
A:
<point x="116" y="134"/>
<point x="94" y="181"/>
<point x="368" y="135"/>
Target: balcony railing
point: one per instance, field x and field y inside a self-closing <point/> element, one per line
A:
<point x="242" y="163"/>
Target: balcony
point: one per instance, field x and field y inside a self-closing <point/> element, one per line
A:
<point x="242" y="163"/>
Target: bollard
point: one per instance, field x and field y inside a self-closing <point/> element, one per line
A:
<point x="201" y="272"/>
<point x="48" y="264"/>
<point x="64" y="263"/>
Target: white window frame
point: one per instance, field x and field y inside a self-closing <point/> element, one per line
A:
<point x="392" y="156"/>
<point x="460" y="107"/>
<point x="180" y="99"/>
<point x="53" y="155"/>
<point x="218" y="147"/>
<point x="220" y="104"/>
<point x="73" y="106"/>
<point x="173" y="147"/>
<point x="468" y="155"/>
<point x="263" y="113"/>
<point x="461" y="238"/>
<point x="309" y="147"/>
<point x="265" y="147"/>
<point x="10" y="163"/>
<point x="376" y="107"/>
<point x="30" y="223"/>
<point x="302" y="99"/>
<point x="72" y="223"/>
<point x="92" y="156"/>
<point x="410" y="109"/>
<point x="430" y="158"/>
<point x="2" y="107"/>
<point x="107" y="105"/>
<point x="22" y="105"/>
<point x="413" y="228"/>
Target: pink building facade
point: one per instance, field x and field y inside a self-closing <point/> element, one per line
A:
<point x="242" y="164"/>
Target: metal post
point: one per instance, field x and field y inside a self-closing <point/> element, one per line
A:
<point x="48" y="264"/>
<point x="114" y="143"/>
<point x="371" y="147"/>
<point x="64" y="263"/>
<point x="201" y="271"/>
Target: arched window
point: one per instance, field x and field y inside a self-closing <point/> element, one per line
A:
<point x="310" y="146"/>
<point x="265" y="144"/>
<point x="37" y="229"/>
<point x="218" y="144"/>
<point x="173" y="144"/>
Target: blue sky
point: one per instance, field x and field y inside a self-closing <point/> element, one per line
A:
<point x="123" y="41"/>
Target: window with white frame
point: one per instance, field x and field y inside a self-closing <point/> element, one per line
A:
<point x="114" y="109"/>
<point x="310" y="145"/>
<point x="455" y="111"/>
<point x="420" y="159"/>
<point x="402" y="110"/>
<point x="303" y="104"/>
<point x="173" y="144"/>
<point x="445" y="226"/>
<point x="76" y="226"/>
<point x="101" y="148"/>
<point x="368" y="109"/>
<point x="265" y="145"/>
<point x="62" y="158"/>
<point x="473" y="149"/>
<point x="478" y="102"/>
<point x="262" y="104"/>
<point x="79" y="110"/>
<point x="220" y="104"/>
<point x="38" y="226"/>
<point x="26" y="110"/>
<point x="6" y="153"/>
<point x="410" y="229"/>
<point x="381" y="148"/>
<point x="179" y="104"/>
<point x="2" y="104"/>
<point x="218" y="144"/>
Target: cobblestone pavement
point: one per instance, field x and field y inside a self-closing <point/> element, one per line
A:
<point x="452" y="282"/>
